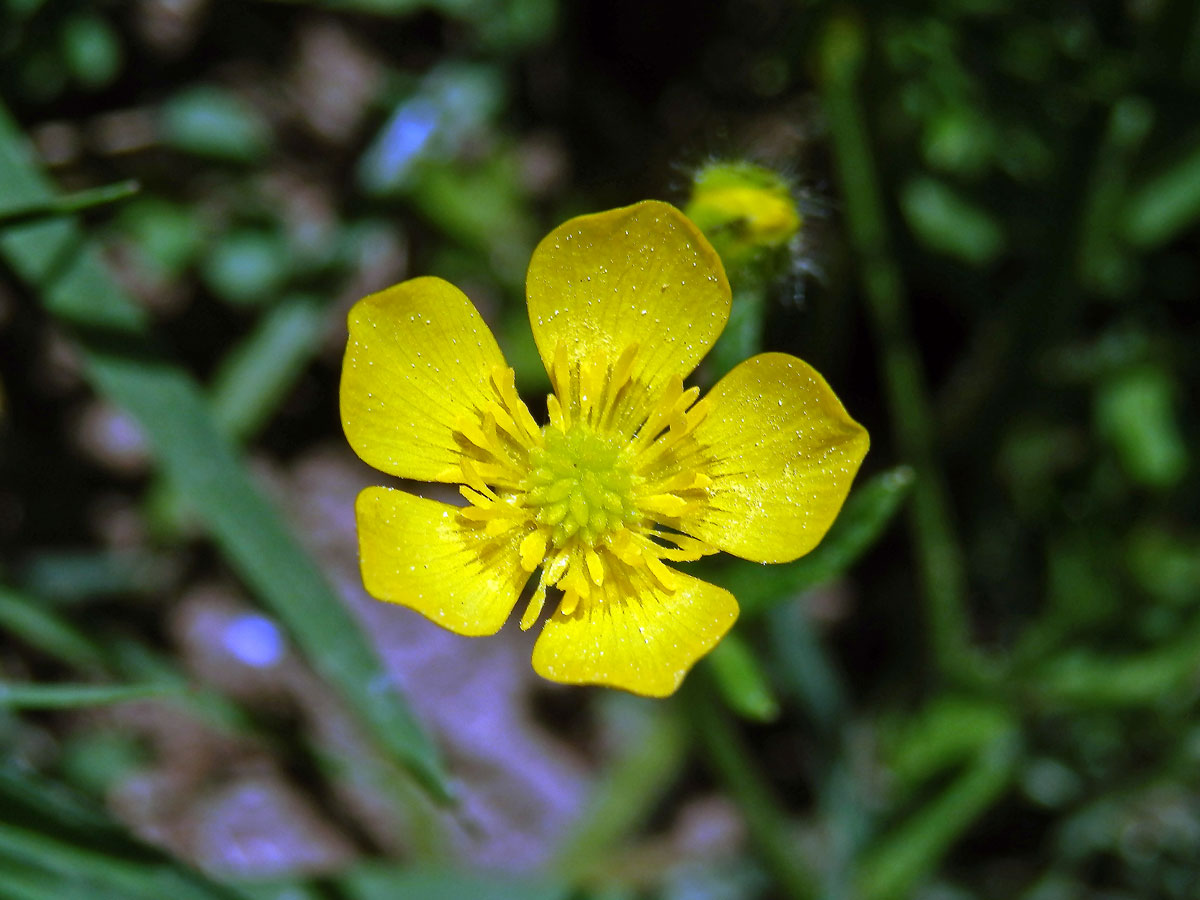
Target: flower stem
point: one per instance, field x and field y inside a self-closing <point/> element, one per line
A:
<point x="938" y="554"/>
<point x="732" y="762"/>
<point x="68" y="204"/>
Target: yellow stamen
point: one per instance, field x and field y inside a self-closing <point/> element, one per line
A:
<point x="536" y="602"/>
<point x="594" y="566"/>
<point x="661" y="573"/>
<point x="533" y="549"/>
<point x="505" y="380"/>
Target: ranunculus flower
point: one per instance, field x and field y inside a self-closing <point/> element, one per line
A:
<point x="631" y="473"/>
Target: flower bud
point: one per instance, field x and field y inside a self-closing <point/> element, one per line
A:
<point x="747" y="211"/>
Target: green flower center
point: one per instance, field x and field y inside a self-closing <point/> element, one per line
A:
<point x="580" y="484"/>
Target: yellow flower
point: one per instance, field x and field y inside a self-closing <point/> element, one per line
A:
<point x="630" y="473"/>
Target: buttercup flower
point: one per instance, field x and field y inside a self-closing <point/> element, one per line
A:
<point x="631" y="472"/>
<point x="747" y="210"/>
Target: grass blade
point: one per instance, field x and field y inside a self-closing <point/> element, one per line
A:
<point x="72" y="696"/>
<point x="122" y="363"/>
<point x="938" y="554"/>
<point x="732" y="762"/>
<point x="914" y="849"/>
<point x="113" y="876"/>
<point x="68" y="204"/>
<point x="47" y="631"/>
<point x="257" y="374"/>
<point x="740" y="679"/>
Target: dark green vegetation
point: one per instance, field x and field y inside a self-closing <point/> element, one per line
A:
<point x="984" y="684"/>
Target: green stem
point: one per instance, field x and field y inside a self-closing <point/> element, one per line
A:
<point x="68" y="204"/>
<point x="625" y="798"/>
<point x="914" y="848"/>
<point x="742" y="337"/>
<point x="50" y="633"/>
<point x="71" y="696"/>
<point x="112" y="875"/>
<point x="807" y="673"/>
<point x="938" y="554"/>
<point x="732" y="762"/>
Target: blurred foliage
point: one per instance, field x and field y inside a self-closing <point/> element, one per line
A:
<point x="981" y="686"/>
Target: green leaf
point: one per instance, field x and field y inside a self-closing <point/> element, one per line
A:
<point x="949" y="223"/>
<point x="169" y="235"/>
<point x="210" y="121"/>
<point x="49" y="632"/>
<point x="86" y="576"/>
<point x="92" y="50"/>
<point x="741" y="680"/>
<point x="378" y="882"/>
<point x="1135" y="413"/>
<point x="248" y="266"/>
<point x="123" y="363"/>
<point x="51" y="835"/>
<point x="733" y="763"/>
<point x="255" y="376"/>
<point x="1083" y="679"/>
<point x="71" y="696"/>
<point x="915" y="847"/>
<point x="946" y="732"/>
<point x="67" y="204"/>
<point x="28" y="797"/>
<point x="653" y="749"/>
<point x="150" y="878"/>
<point x="1165" y="204"/>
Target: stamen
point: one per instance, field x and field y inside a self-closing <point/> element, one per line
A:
<point x="680" y="481"/>
<point x="556" y="568"/>
<point x="661" y="573"/>
<point x="555" y="411"/>
<point x="471" y="430"/>
<point x="624" y="547"/>
<point x="692" y="418"/>
<point x="533" y="549"/>
<point x="618" y="378"/>
<point x="591" y="387"/>
<point x="471" y="475"/>
<point x="486" y="497"/>
<point x="536" y="602"/>
<point x="660" y="413"/>
<point x="505" y="380"/>
<point x="500" y="417"/>
<point x="486" y="439"/>
<point x="623" y="369"/>
<point x="665" y="504"/>
<point x="594" y="566"/>
<point x="478" y="498"/>
<point x="560" y="376"/>
<point x="501" y="525"/>
<point x="501" y="475"/>
<point x="686" y="548"/>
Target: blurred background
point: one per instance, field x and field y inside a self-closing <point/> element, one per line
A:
<point x="984" y="684"/>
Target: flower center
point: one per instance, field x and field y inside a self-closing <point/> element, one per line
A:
<point x="580" y="484"/>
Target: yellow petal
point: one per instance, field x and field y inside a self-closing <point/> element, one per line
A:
<point x="639" y="275"/>
<point x="632" y="633"/>
<point x="782" y="454"/>
<point x="418" y="364"/>
<point x="422" y="554"/>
